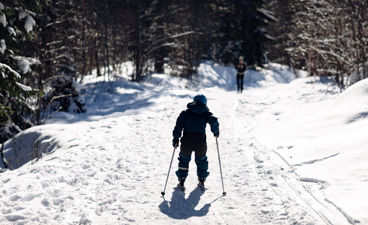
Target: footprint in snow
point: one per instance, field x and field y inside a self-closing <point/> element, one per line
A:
<point x="13" y="218"/>
<point x="15" y="198"/>
<point x="274" y="184"/>
<point x="45" y="202"/>
<point x="29" y="197"/>
<point x="57" y="201"/>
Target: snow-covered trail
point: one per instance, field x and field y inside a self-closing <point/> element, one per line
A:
<point x="114" y="165"/>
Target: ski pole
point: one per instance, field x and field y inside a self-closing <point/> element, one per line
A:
<point x="222" y="179"/>
<point x="168" y="173"/>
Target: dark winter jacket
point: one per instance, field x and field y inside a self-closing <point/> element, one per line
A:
<point x="195" y="119"/>
<point x="241" y="68"/>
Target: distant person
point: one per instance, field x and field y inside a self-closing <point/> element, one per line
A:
<point x="193" y="121"/>
<point x="240" y="68"/>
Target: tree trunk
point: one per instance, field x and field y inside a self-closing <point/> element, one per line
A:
<point x="138" y="50"/>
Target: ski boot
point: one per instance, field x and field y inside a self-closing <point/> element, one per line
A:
<point x="181" y="184"/>
<point x="201" y="183"/>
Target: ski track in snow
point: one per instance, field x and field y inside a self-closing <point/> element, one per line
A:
<point x="115" y="166"/>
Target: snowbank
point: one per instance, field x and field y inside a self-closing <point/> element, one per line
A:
<point x="278" y="73"/>
<point x="354" y="99"/>
<point x="32" y="144"/>
<point x="323" y="134"/>
<point x="212" y="74"/>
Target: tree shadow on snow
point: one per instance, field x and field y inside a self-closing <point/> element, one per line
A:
<point x="104" y="98"/>
<point x="181" y="208"/>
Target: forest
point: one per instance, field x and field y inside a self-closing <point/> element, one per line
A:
<point x="48" y="46"/>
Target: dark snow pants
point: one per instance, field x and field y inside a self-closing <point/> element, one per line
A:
<point x="240" y="81"/>
<point x="193" y="142"/>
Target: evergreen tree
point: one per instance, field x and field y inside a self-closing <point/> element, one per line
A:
<point x="17" y="26"/>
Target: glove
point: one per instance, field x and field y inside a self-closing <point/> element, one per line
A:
<point x="175" y="142"/>
<point x="217" y="134"/>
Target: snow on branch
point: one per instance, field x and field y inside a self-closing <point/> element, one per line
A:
<point x="5" y="69"/>
<point x="24" y="87"/>
<point x="25" y="63"/>
<point x="2" y="46"/>
<point x="29" y="23"/>
<point x="331" y="53"/>
<point x="3" y="20"/>
<point x="268" y="14"/>
<point x="182" y="34"/>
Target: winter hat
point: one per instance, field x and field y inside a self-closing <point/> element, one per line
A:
<point x="200" y="98"/>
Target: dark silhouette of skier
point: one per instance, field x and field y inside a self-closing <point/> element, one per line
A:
<point x="240" y="68"/>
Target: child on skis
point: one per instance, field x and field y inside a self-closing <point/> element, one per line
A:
<point x="193" y="121"/>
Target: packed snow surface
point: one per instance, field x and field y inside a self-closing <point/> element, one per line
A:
<point x="293" y="152"/>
